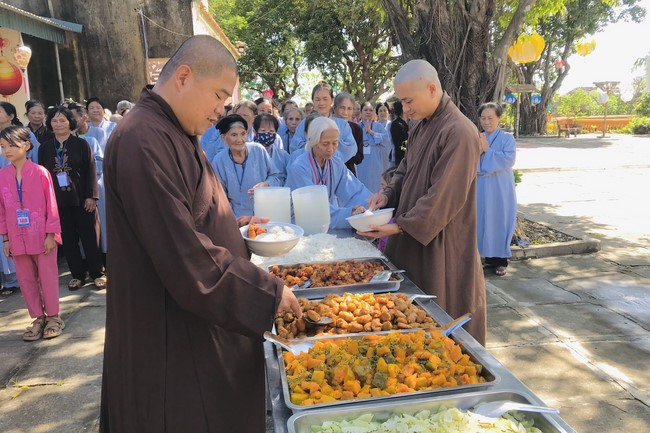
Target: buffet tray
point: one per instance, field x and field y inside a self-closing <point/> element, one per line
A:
<point x="374" y="287"/>
<point x="301" y="422"/>
<point x="420" y="302"/>
<point x="491" y="378"/>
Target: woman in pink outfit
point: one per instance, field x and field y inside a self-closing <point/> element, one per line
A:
<point x="31" y="231"/>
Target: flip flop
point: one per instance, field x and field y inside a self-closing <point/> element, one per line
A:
<point x="75" y="284"/>
<point x="34" y="331"/>
<point x="53" y="324"/>
<point x="500" y="271"/>
<point x="100" y="282"/>
<point x="8" y="291"/>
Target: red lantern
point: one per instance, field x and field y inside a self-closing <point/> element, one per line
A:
<point x="10" y="78"/>
<point x="559" y="64"/>
<point x="267" y="93"/>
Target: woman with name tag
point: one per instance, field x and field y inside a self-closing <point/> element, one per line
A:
<point x="29" y="224"/>
<point x="71" y="162"/>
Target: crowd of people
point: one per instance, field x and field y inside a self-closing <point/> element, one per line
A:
<point x="172" y="205"/>
<point x="53" y="195"/>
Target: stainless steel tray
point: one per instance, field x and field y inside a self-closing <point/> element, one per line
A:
<point x="300" y="422"/>
<point x="421" y="302"/>
<point x="491" y="378"/>
<point x="376" y="287"/>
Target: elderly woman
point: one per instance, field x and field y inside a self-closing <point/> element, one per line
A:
<point x="376" y="149"/>
<point x="495" y="190"/>
<point x="344" y="108"/>
<point x="243" y="166"/>
<point x="71" y="162"/>
<point x="317" y="166"/>
<point x="292" y="117"/>
<point x="35" y="112"/>
<point x="322" y="96"/>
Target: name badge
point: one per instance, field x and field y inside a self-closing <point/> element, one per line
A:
<point x="366" y="150"/>
<point x="22" y="216"/>
<point x="62" y="178"/>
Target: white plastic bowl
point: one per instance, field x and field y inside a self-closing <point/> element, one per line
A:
<point x="272" y="248"/>
<point x="363" y="222"/>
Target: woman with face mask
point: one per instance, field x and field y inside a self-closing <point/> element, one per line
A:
<point x="243" y="166"/>
<point x="265" y="127"/>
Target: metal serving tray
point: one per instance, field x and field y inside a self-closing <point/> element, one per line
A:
<point x="375" y="287"/>
<point x="491" y="378"/>
<point x="301" y="422"/>
<point x="420" y="302"/>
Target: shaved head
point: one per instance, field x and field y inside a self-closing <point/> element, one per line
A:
<point x="417" y="72"/>
<point x="203" y="54"/>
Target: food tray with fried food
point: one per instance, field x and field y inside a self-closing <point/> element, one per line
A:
<point x="340" y="276"/>
<point x="370" y="367"/>
<point x="354" y="313"/>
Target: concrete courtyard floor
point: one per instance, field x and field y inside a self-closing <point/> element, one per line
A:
<point x="575" y="329"/>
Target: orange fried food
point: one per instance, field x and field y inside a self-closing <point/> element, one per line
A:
<point x="254" y="231"/>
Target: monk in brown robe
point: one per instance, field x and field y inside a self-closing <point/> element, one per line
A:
<point x="186" y="309"/>
<point x="434" y="190"/>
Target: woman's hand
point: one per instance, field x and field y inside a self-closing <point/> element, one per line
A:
<point x="90" y="205"/>
<point x="258" y="185"/>
<point x="7" y="250"/>
<point x="368" y="127"/>
<point x="247" y="219"/>
<point x="356" y="210"/>
<point x="377" y="201"/>
<point x="483" y="143"/>
<point x="381" y="231"/>
<point x="50" y="243"/>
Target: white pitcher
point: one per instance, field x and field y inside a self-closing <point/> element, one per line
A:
<point x="312" y="208"/>
<point x="273" y="202"/>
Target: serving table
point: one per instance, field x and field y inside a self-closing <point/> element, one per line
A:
<point x="506" y="386"/>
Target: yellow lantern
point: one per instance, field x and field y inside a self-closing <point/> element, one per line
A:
<point x="527" y="48"/>
<point x="22" y="56"/>
<point x="585" y="48"/>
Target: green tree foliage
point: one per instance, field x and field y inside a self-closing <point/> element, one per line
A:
<point x="642" y="105"/>
<point x="349" y="41"/>
<point x="561" y="32"/>
<point x="584" y="102"/>
<point x="273" y="52"/>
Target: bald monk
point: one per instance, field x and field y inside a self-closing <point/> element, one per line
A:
<point x="434" y="190"/>
<point x="186" y="309"/>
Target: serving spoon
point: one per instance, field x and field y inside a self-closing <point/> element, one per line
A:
<point x="495" y="409"/>
<point x="383" y="276"/>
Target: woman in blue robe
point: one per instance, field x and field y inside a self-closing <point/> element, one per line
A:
<point x="495" y="190"/>
<point x="95" y="108"/>
<point x="323" y="97"/>
<point x="318" y="166"/>
<point x="265" y="127"/>
<point x="211" y="142"/>
<point x="382" y="110"/>
<point x="243" y="166"/>
<point x="292" y="118"/>
<point x="376" y="149"/>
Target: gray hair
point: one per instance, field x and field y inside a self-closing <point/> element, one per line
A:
<point x="316" y="129"/>
<point x="288" y="111"/>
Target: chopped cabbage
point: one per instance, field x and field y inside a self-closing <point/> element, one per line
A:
<point x="443" y="421"/>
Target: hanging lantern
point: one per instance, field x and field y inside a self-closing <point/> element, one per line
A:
<point x="527" y="48"/>
<point x="559" y="63"/>
<point x="267" y="93"/>
<point x="509" y="98"/>
<point x="10" y="78"/>
<point x="585" y="48"/>
<point x="22" y="56"/>
<point x="535" y="99"/>
<point x="603" y="98"/>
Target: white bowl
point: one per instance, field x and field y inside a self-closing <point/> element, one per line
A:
<point x="363" y="222"/>
<point x="272" y="248"/>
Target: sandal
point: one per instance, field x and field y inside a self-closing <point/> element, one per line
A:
<point x="500" y="271"/>
<point x="100" y="282"/>
<point x="75" y="284"/>
<point x="8" y="291"/>
<point x="34" y="331"/>
<point x="53" y="327"/>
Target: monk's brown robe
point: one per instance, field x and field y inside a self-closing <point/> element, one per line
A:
<point x="185" y="307"/>
<point x="434" y="191"/>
